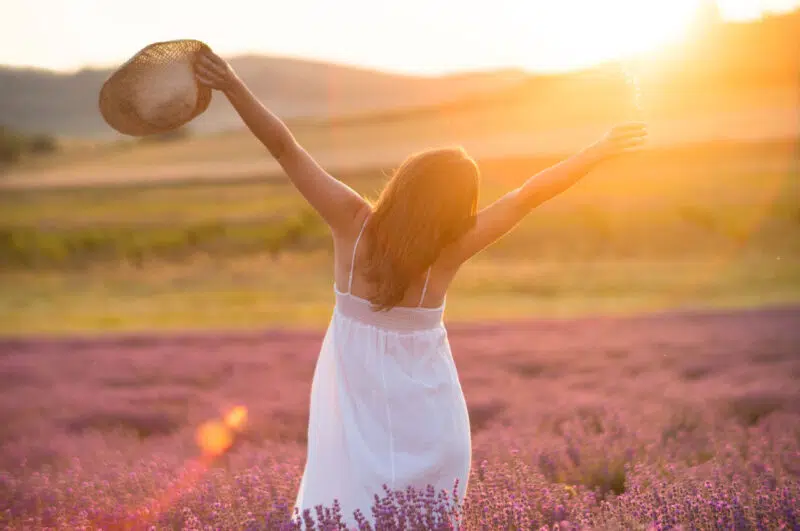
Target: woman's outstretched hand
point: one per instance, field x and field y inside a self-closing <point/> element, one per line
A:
<point x="213" y="71"/>
<point x="621" y="139"/>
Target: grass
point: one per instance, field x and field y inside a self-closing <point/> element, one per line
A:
<point x="703" y="226"/>
<point x="296" y="291"/>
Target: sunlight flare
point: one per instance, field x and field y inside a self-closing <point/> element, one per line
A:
<point x="214" y="438"/>
<point x="236" y="418"/>
<point x="580" y="33"/>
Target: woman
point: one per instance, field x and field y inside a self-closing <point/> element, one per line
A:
<point x="386" y="402"/>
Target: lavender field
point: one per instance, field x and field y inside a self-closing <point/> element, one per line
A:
<point x="667" y="421"/>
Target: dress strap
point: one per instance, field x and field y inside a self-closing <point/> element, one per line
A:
<point x="424" y="288"/>
<point x="353" y="260"/>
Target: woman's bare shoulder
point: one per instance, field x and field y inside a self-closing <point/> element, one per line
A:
<point x="350" y="231"/>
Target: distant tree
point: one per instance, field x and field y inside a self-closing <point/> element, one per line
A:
<point x="11" y="146"/>
<point x="42" y="144"/>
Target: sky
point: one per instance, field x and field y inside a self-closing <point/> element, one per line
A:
<point x="427" y="37"/>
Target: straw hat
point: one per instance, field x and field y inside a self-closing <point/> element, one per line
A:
<point x="155" y="91"/>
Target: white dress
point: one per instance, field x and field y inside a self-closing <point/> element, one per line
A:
<point x="386" y="407"/>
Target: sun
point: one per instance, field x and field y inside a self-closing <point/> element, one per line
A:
<point x="577" y="33"/>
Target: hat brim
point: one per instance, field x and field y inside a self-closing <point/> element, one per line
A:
<point x="117" y="94"/>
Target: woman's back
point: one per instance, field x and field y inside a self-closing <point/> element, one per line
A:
<point x="426" y="291"/>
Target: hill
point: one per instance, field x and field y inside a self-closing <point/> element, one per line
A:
<point x="717" y="59"/>
<point x="66" y="104"/>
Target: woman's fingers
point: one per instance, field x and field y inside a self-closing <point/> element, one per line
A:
<point x="629" y="132"/>
<point x="629" y="139"/>
<point x="624" y="138"/>
<point x="213" y="61"/>
<point x="217" y="60"/>
<point x="208" y="77"/>
<point x="209" y="69"/>
<point x="206" y="71"/>
<point x="630" y="143"/>
<point x="205" y="81"/>
<point x="630" y="126"/>
<point x="211" y="65"/>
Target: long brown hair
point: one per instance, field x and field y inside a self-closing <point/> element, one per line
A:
<point x="429" y="202"/>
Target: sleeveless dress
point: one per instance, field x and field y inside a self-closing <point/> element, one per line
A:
<point x="386" y="407"/>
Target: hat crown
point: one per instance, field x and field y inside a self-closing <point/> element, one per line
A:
<point x="155" y="91"/>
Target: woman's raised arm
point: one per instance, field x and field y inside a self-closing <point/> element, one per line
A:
<point x="497" y="219"/>
<point x="338" y="204"/>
